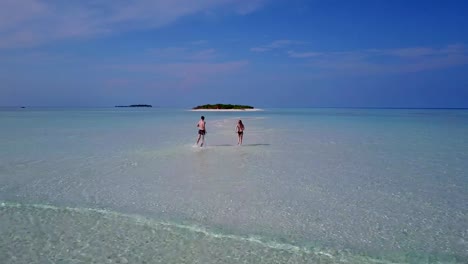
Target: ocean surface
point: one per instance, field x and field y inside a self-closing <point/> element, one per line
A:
<point x="127" y="185"/>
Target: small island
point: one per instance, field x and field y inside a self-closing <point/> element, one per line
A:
<point x="135" y="105"/>
<point x="222" y="107"/>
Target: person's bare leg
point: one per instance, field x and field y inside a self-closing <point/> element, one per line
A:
<point x="241" y="138"/>
<point x="203" y="140"/>
<point x="238" y="139"/>
<point x="198" y="139"/>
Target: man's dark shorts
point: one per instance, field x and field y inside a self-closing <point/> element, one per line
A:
<point x="201" y="132"/>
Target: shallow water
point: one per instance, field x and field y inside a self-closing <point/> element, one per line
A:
<point x="307" y="186"/>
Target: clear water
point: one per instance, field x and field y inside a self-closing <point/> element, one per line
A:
<point x="307" y="186"/>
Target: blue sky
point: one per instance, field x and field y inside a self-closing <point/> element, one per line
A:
<point x="266" y="53"/>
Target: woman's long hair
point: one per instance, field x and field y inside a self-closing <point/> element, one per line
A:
<point x="241" y="126"/>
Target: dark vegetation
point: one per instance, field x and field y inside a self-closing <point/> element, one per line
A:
<point x="223" y="106"/>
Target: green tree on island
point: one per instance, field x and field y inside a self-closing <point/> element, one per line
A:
<point x="223" y="106"/>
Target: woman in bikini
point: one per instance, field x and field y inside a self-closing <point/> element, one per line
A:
<point x="240" y="132"/>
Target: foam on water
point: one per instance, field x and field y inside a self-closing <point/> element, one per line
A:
<point x="44" y="233"/>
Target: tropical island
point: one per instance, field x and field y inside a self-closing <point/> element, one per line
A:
<point x="223" y="107"/>
<point x="135" y="105"/>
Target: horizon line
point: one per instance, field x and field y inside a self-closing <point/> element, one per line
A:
<point x="287" y="107"/>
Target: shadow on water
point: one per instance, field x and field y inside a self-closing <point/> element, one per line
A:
<point x="243" y="145"/>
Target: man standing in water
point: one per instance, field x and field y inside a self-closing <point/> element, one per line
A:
<point x="201" y="131"/>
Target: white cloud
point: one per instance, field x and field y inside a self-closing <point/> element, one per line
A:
<point x="294" y="54"/>
<point x="169" y="53"/>
<point x="32" y="22"/>
<point x="184" y="54"/>
<point x="249" y="6"/>
<point x="277" y="44"/>
<point x="203" y="55"/>
<point x="199" y="42"/>
<point x="185" y="75"/>
<point x="383" y="61"/>
<point x="410" y="52"/>
<point x="259" y="49"/>
<point x="14" y="12"/>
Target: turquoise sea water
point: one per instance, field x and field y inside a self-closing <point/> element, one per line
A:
<point x="307" y="186"/>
